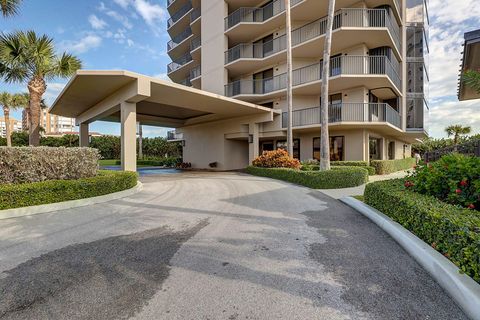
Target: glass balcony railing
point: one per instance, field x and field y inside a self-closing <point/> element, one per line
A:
<point x="195" y="14"/>
<point x="195" y="43"/>
<point x="350" y="17"/>
<point x="195" y="72"/>
<point x="178" y="63"/>
<point x="180" y="13"/>
<point x="343" y="65"/>
<point x="179" y="38"/>
<point x="346" y="112"/>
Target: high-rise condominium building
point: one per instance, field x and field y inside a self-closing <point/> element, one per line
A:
<point x="15" y="126"/>
<point x="237" y="48"/>
<point x="52" y="124"/>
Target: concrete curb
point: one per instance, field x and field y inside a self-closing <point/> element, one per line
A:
<point x="44" y="208"/>
<point x="463" y="289"/>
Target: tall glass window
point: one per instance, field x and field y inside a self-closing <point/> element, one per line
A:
<point x="336" y="148"/>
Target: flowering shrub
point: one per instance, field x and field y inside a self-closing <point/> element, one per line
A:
<point x="454" y="179"/>
<point x="276" y="159"/>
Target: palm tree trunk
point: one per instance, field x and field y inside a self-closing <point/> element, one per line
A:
<point x="324" y="137"/>
<point x="289" y="79"/>
<point x="8" y="133"/>
<point x="36" y="88"/>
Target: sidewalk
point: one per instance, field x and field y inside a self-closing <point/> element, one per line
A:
<point x="358" y="191"/>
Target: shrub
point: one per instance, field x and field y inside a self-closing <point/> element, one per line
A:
<point x="314" y="165"/>
<point x="391" y="166"/>
<point x="37" y="193"/>
<point x="108" y="146"/>
<point x="160" y="162"/>
<point x="338" y="177"/>
<point x="276" y="159"/>
<point x="453" y="231"/>
<point x="349" y="163"/>
<point x="28" y="164"/>
<point x="454" y="179"/>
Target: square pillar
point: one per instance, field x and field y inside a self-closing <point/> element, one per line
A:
<point x="84" y="136"/>
<point x="253" y="142"/>
<point x="128" y="115"/>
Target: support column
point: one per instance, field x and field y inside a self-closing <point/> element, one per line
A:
<point x="84" y="136"/>
<point x="128" y="138"/>
<point x="253" y="142"/>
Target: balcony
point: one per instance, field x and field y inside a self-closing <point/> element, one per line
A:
<point x="375" y="23"/>
<point x="346" y="113"/>
<point x="195" y="72"/>
<point x="174" y="136"/>
<point x="345" y="72"/>
<point x="179" y="14"/>
<point x="179" y="38"/>
<point x="179" y="63"/>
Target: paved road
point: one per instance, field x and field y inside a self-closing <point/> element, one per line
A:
<point x="211" y="246"/>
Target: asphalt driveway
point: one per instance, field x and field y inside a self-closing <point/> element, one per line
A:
<point x="211" y="246"/>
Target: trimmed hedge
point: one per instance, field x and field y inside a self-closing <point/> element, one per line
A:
<point x="338" y="177"/>
<point x="34" y="164"/>
<point x="37" y="193"/>
<point x="362" y="164"/>
<point x="391" y="166"/>
<point x="168" y="162"/>
<point x="453" y="231"/>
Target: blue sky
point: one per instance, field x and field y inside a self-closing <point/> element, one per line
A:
<point x="130" y="34"/>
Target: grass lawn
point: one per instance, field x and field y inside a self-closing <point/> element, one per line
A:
<point x="107" y="162"/>
<point x="361" y="198"/>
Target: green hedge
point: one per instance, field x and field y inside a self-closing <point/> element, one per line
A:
<point x="37" y="193"/>
<point x="453" y="231"/>
<point x="168" y="162"/>
<point x="338" y="177"/>
<point x="391" y="166"/>
<point x="362" y="164"/>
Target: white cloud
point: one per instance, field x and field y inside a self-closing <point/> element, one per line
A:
<point x="122" y="3"/>
<point x="153" y="14"/>
<point x="454" y="112"/>
<point x="162" y="76"/>
<point x="120" y="18"/>
<point x="53" y="90"/>
<point x="96" y="22"/>
<point x="83" y="45"/>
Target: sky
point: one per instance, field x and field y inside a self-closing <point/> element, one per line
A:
<point x="131" y="35"/>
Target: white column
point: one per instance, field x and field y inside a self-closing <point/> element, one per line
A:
<point x="253" y="142"/>
<point x="128" y="116"/>
<point x="84" y="136"/>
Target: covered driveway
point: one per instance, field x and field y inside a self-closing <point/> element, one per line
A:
<point x="128" y="98"/>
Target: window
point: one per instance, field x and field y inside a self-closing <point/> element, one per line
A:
<point x="391" y="150"/>
<point x="336" y="148"/>
<point x="282" y="144"/>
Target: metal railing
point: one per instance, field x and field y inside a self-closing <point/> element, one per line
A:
<point x="169" y="2"/>
<point x="179" y="38"/>
<point x="180" y="13"/>
<point x="343" y="65"/>
<point x="470" y="148"/>
<point x="195" y="43"/>
<point x="186" y="82"/>
<point x="195" y="14"/>
<point x="195" y="72"/>
<point x="352" y="17"/>
<point x="183" y="60"/>
<point x="253" y="14"/>
<point x="173" y="135"/>
<point x="346" y="112"/>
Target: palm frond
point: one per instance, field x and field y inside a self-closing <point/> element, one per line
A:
<point x="9" y="7"/>
<point x="472" y="79"/>
<point x="65" y="65"/>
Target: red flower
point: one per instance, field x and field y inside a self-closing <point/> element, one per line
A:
<point x="408" y="184"/>
<point x="471" y="206"/>
<point x="463" y="183"/>
<point x="458" y="191"/>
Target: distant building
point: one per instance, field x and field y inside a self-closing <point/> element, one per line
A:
<point x="470" y="61"/>
<point x="52" y="124"/>
<point x="59" y="134"/>
<point x="15" y="126"/>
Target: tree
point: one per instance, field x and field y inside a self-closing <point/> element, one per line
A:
<point x="324" y="137"/>
<point x="10" y="101"/>
<point x="289" y="79"/>
<point x="29" y="58"/>
<point x="457" y="131"/>
<point x="9" y="7"/>
<point x="472" y="79"/>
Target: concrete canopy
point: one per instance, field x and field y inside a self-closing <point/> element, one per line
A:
<point x="97" y="95"/>
<point x="470" y="61"/>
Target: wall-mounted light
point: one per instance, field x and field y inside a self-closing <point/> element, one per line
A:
<point x="250" y="138"/>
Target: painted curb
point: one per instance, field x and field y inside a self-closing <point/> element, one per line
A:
<point x="44" y="208"/>
<point x="463" y="289"/>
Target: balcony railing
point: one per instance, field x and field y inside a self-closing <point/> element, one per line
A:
<point x="173" y="135"/>
<point x="186" y="82"/>
<point x="252" y="14"/>
<point x="350" y="17"/>
<point x="196" y="72"/>
<point x="180" y="13"/>
<point x="343" y="65"/>
<point x="195" y="43"/>
<point x="195" y="14"/>
<point x="179" y="38"/>
<point x="346" y="112"/>
<point x="177" y="64"/>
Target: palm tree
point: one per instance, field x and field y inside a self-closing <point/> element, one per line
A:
<point x="457" y="131"/>
<point x="324" y="137"/>
<point x="29" y="58"/>
<point x="9" y="7"/>
<point x="472" y="79"/>
<point x="10" y="101"/>
<point x="289" y="79"/>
